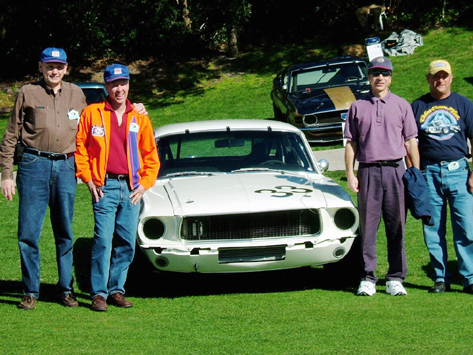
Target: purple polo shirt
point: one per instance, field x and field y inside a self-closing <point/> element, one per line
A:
<point x="380" y="126"/>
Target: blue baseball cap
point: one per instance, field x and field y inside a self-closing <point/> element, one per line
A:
<point x="116" y="71"/>
<point x="53" y="55"/>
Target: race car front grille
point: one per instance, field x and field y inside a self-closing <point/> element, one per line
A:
<point x="251" y="225"/>
<point x="247" y="255"/>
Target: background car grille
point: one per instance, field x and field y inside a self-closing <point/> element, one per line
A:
<point x="323" y="118"/>
<point x="251" y="225"/>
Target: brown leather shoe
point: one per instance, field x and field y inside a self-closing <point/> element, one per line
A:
<point x="27" y="302"/>
<point x="99" y="304"/>
<point x="120" y="301"/>
<point x="69" y="300"/>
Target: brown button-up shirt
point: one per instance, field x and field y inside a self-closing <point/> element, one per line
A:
<point x="44" y="121"/>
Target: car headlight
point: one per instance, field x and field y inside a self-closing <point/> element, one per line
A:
<point x="310" y="120"/>
<point x="153" y="228"/>
<point x="344" y="218"/>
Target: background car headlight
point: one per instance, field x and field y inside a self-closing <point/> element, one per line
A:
<point x="153" y="228"/>
<point x="344" y="218"/>
<point x="310" y="120"/>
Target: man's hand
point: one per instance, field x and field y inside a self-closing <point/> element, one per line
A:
<point x="95" y="191"/>
<point x="8" y="189"/>
<point x="353" y="183"/>
<point x="137" y="194"/>
<point x="141" y="109"/>
<point x="351" y="149"/>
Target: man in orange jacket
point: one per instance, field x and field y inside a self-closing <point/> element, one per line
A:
<point x="116" y="157"/>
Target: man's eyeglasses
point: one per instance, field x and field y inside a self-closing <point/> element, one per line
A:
<point x="379" y="72"/>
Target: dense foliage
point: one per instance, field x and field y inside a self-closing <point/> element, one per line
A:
<point x="91" y="29"/>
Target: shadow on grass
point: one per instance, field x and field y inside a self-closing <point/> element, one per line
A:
<point x="452" y="267"/>
<point x="144" y="281"/>
<point x="47" y="293"/>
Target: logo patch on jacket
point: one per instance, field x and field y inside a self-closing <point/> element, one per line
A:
<point x="97" y="131"/>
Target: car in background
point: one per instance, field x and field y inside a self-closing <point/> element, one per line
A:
<point x="242" y="196"/>
<point x="94" y="92"/>
<point x="315" y="96"/>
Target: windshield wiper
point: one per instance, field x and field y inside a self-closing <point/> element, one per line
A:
<point x="187" y="173"/>
<point x="257" y="169"/>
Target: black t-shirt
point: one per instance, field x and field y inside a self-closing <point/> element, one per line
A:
<point x="444" y="127"/>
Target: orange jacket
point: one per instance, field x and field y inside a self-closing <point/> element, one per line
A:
<point x="93" y="144"/>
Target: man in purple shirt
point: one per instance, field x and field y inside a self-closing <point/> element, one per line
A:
<point x="380" y="131"/>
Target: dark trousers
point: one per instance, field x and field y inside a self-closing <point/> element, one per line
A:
<point x="382" y="194"/>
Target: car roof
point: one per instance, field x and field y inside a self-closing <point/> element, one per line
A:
<point x="223" y="125"/>
<point x="90" y="85"/>
<point x="328" y="61"/>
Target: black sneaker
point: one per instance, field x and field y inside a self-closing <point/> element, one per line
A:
<point x="468" y="289"/>
<point x="439" y="287"/>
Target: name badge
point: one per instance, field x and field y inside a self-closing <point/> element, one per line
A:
<point x="453" y="166"/>
<point x="134" y="127"/>
<point x="73" y="115"/>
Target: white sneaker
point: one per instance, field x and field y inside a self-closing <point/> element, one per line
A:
<point x="395" y="288"/>
<point x="366" y="289"/>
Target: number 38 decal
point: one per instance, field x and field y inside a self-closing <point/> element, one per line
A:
<point x="284" y="191"/>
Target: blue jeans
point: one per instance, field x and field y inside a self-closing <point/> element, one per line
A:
<point x="113" y="249"/>
<point x="42" y="183"/>
<point x="452" y="186"/>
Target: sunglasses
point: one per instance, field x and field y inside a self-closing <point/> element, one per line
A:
<point x="379" y="72"/>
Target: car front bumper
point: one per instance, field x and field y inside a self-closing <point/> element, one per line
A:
<point x="248" y="258"/>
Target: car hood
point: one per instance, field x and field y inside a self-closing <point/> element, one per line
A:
<point x="328" y="99"/>
<point x="251" y="192"/>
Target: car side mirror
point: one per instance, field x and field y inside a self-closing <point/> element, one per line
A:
<point x="323" y="165"/>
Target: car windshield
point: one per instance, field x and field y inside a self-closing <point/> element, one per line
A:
<point x="214" y="152"/>
<point x="93" y="95"/>
<point x="328" y="76"/>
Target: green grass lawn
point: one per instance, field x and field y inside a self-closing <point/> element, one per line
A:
<point x="304" y="311"/>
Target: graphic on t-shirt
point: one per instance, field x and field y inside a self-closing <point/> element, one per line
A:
<point x="440" y="122"/>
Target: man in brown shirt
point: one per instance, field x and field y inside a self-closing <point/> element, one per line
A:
<point x="44" y="120"/>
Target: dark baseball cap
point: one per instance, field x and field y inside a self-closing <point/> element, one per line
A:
<point x="380" y="63"/>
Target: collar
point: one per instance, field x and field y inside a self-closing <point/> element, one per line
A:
<point x="375" y="98"/>
<point x="48" y="89"/>
<point x="108" y="106"/>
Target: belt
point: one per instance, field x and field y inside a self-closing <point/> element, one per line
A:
<point x="450" y="164"/>
<point x="393" y="163"/>
<point x="117" y="176"/>
<point x="441" y="162"/>
<point x="47" y="155"/>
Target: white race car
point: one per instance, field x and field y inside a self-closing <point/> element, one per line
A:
<point x="241" y="196"/>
